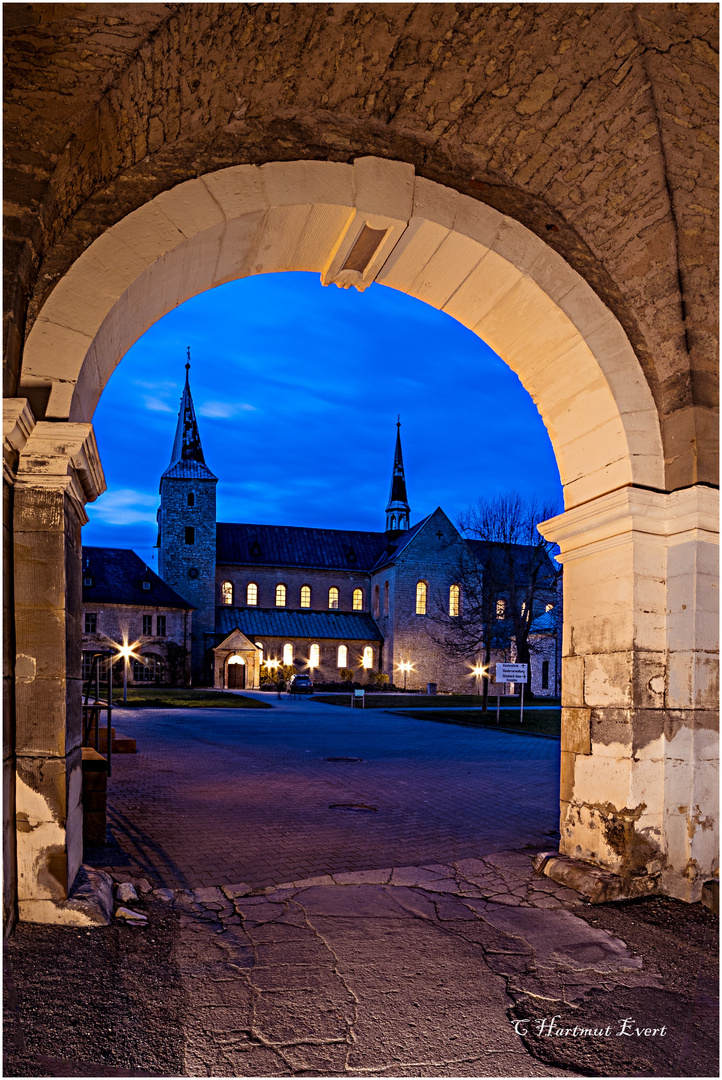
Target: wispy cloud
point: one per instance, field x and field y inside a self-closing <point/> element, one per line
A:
<point x="221" y="410"/>
<point x="155" y="404"/>
<point x="124" y="506"/>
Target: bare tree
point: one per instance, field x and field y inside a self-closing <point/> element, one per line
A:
<point x="508" y="576"/>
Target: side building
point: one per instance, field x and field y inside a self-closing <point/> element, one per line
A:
<point x="126" y="603"/>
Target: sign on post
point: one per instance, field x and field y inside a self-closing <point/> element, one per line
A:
<point x="516" y="673"/>
<point x="512" y="673"/>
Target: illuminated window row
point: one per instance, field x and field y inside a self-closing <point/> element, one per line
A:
<point x="281" y="595"/>
<point x="422" y="590"/>
<point x="314" y="656"/>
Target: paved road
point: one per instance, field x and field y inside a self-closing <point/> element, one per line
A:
<point x="216" y="797"/>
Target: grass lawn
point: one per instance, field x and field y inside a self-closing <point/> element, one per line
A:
<point x="536" y="721"/>
<point x="404" y="701"/>
<point x="161" y="697"/>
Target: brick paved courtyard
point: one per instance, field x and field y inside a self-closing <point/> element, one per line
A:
<point x="218" y="797"/>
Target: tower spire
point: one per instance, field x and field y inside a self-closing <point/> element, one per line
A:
<point x="398" y="510"/>
<point x="187" y="443"/>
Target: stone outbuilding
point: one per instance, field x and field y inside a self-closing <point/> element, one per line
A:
<point x="236" y="663"/>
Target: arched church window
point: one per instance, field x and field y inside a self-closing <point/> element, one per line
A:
<point x="358" y="600"/>
<point x="421" y="598"/>
<point x="333" y="597"/>
<point x="190" y="534"/>
<point x="454" y="595"/>
<point x="305" y="596"/>
<point x="314" y="656"/>
<point x="281" y="598"/>
<point x="376" y="601"/>
<point x="342" y="656"/>
<point x="149" y="669"/>
<point x="251" y="594"/>
<point x="191" y="498"/>
<point x="501" y="609"/>
<point x="386" y="598"/>
<point x="227" y="592"/>
<point x="288" y="653"/>
<point x="368" y="657"/>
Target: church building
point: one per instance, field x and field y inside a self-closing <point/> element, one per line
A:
<point x="324" y="601"/>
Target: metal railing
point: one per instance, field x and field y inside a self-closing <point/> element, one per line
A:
<point x="99" y="682"/>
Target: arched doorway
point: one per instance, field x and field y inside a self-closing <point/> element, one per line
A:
<point x="637" y="740"/>
<point x="236" y="673"/>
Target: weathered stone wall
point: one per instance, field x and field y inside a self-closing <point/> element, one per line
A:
<point x="189" y="569"/>
<point x="320" y="581"/>
<point x="592" y="124"/>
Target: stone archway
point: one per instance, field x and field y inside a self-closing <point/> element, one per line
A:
<point x="637" y="745"/>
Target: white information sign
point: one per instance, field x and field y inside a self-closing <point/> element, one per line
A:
<point x="516" y="673"/>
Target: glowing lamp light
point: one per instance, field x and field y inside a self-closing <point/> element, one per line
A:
<point x="406" y="666"/>
<point x="124" y="653"/>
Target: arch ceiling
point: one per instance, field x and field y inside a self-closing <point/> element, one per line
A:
<point x="374" y="220"/>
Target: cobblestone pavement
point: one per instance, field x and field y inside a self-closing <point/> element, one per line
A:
<point x="219" y="796"/>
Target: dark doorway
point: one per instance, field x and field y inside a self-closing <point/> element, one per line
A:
<point x="236" y="676"/>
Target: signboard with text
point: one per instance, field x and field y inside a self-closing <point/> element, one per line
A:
<point x="516" y="673"/>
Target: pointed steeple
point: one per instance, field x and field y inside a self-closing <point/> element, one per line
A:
<point x="398" y="510"/>
<point x="187" y="456"/>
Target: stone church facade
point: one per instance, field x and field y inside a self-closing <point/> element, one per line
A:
<point x="324" y="601"/>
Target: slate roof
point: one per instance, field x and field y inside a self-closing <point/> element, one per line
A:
<point x="118" y="575"/>
<point x="277" y="622"/>
<point x="291" y="545"/>
<point x="188" y="470"/>
<point x="545" y="623"/>
<point x="393" y="549"/>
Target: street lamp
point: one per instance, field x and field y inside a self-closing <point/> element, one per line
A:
<point x="478" y="671"/>
<point x="406" y="667"/>
<point x="125" y="651"/>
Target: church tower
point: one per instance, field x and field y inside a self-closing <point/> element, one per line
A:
<point x="187" y="528"/>
<point x="398" y="510"/>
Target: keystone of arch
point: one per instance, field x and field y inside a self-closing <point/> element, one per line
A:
<point x="461" y="256"/>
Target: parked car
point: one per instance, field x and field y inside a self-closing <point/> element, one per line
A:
<point x="301" y="684"/>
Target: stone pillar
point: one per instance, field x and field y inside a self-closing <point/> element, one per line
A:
<point x="639" y="685"/>
<point x="58" y="472"/>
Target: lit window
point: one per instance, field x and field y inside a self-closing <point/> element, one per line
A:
<point x="281" y="598"/>
<point x="386" y="598"/>
<point x="148" y="624"/>
<point x="287" y="652"/>
<point x="305" y="596"/>
<point x="501" y="609"/>
<point x="227" y="592"/>
<point x="333" y="597"/>
<point x="251" y="594"/>
<point x="91" y="624"/>
<point x="191" y="499"/>
<point x="190" y="534"/>
<point x="358" y="600"/>
<point x="259" y="646"/>
<point x="421" y="598"/>
<point x="342" y="656"/>
<point x="368" y="657"/>
<point x="549" y="607"/>
<point x="523" y="608"/>
<point x="454" y="593"/>
<point x="314" y="656"/>
<point x="160" y="626"/>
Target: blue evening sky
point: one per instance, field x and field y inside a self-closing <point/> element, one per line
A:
<point x="296" y="389"/>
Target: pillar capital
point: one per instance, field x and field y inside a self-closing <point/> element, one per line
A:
<point x="601" y="524"/>
<point x="18" y="423"/>
<point x="62" y="457"/>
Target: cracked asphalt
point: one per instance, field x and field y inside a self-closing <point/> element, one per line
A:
<point x="461" y="965"/>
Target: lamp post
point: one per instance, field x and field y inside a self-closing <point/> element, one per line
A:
<point x="125" y="651"/>
<point x="478" y="672"/>
<point x="406" y="667"/>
